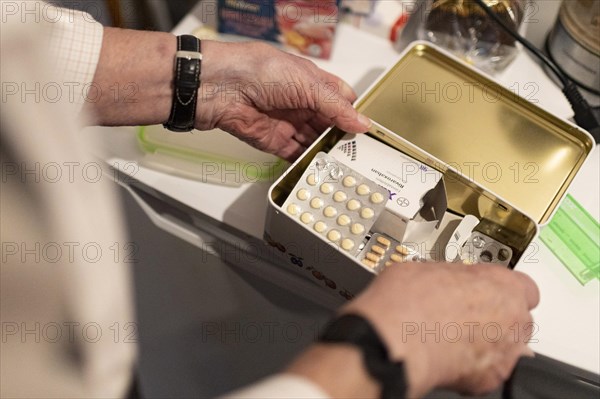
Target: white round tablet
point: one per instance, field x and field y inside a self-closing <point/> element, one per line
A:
<point x="340" y="196"/>
<point x="329" y="212"/>
<point x="349" y="181"/>
<point x="316" y="203"/>
<point x="347" y="244"/>
<point x="306" y="218"/>
<point x="293" y="209"/>
<point x="344" y="220"/>
<point x="312" y="179"/>
<point x="367" y="213"/>
<point x="377" y="198"/>
<point x="303" y="194"/>
<point x="320" y="227"/>
<point x="334" y="235"/>
<point x="357" y="228"/>
<point x="353" y="204"/>
<point x="363" y="189"/>
<point x="326" y="188"/>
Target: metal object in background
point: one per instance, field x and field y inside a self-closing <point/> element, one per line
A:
<point x="462" y="27"/>
<point x="574" y="44"/>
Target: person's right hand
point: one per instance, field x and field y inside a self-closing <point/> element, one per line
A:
<point x="455" y="326"/>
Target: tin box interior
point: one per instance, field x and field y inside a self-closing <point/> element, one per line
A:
<point x="504" y="160"/>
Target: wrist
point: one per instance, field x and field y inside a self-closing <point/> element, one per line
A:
<point x="338" y="369"/>
<point x="225" y="69"/>
<point x="369" y="365"/>
<point x="420" y="378"/>
<point x="186" y="82"/>
<point x="230" y="74"/>
<point x="209" y="91"/>
<point x="419" y="371"/>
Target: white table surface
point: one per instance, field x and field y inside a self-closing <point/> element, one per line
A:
<point x="568" y="317"/>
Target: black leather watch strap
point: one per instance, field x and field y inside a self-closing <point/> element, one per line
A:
<point x="186" y="81"/>
<point x="356" y="330"/>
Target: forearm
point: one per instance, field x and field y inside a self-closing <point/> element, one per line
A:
<point x="277" y="102"/>
<point x="339" y="370"/>
<point x="133" y="81"/>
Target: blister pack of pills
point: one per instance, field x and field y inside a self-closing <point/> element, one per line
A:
<point x="337" y="203"/>
<point x="480" y="248"/>
<point x="382" y="251"/>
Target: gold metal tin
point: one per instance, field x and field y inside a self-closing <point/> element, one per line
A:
<point x="483" y="130"/>
<point x="505" y="160"/>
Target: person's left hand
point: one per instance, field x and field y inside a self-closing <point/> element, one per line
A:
<point x="277" y="102"/>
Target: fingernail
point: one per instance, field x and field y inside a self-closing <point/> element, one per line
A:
<point x="364" y="120"/>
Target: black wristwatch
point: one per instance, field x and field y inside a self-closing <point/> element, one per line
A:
<point x="186" y="81"/>
<point x="356" y="330"/>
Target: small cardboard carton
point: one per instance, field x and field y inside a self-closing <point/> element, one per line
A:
<point x="417" y="197"/>
<point x="308" y="25"/>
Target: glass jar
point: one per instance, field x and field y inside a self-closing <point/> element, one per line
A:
<point x="464" y="28"/>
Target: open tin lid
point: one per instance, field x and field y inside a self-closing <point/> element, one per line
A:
<point x="483" y="130"/>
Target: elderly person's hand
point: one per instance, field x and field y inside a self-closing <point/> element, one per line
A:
<point x="277" y="102"/>
<point x="455" y="326"/>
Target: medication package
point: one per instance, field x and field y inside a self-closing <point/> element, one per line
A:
<point x="383" y="207"/>
<point x="305" y="25"/>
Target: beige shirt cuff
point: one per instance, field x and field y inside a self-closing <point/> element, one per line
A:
<point x="280" y="386"/>
<point x="75" y="42"/>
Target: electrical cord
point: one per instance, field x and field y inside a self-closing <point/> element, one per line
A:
<point x="584" y="115"/>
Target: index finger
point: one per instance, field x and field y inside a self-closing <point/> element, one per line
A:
<point x="343" y="87"/>
<point x="338" y="109"/>
<point x="332" y="99"/>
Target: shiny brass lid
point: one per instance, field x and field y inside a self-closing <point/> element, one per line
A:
<point x="498" y="139"/>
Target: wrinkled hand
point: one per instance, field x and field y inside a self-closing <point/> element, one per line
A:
<point x="277" y="102"/>
<point x="456" y="326"/>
